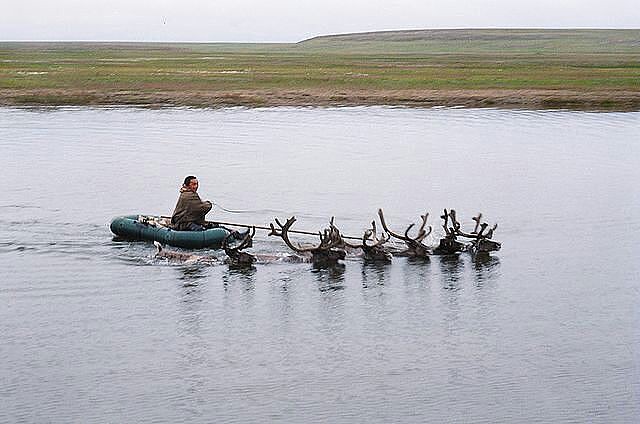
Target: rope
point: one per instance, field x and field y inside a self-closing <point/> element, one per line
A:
<point x="262" y="227"/>
<point x="230" y="210"/>
<point x="259" y="227"/>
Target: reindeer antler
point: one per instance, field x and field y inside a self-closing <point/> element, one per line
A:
<point x="236" y="257"/>
<point x="421" y="231"/>
<point x="477" y="220"/>
<point x="329" y="238"/>
<point x="475" y="234"/>
<point x="416" y="248"/>
<point x="375" y="251"/>
<point x="373" y="236"/>
<point x="370" y="235"/>
<point x="480" y="243"/>
<point x="283" y="233"/>
<point x="246" y="241"/>
<point x="450" y="231"/>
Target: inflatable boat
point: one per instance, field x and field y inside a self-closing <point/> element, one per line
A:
<point x="156" y="228"/>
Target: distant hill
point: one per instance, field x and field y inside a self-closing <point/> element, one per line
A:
<point x="484" y="34"/>
<point x="488" y="40"/>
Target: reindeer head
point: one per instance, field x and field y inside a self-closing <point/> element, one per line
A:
<point x="327" y="253"/>
<point x="449" y="245"/>
<point x="373" y="252"/>
<point x="487" y="246"/>
<point x="235" y="255"/>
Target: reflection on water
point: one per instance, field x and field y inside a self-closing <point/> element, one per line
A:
<point x="487" y="268"/>
<point x="542" y="331"/>
<point x="244" y="272"/>
<point x="190" y="274"/>
<point x="192" y="298"/>
<point x="417" y="270"/>
<point x="239" y="276"/>
<point x="329" y="278"/>
<point x="374" y="273"/>
<point x="451" y="268"/>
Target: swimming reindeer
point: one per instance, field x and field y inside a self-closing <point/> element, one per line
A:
<point x="415" y="247"/>
<point x="182" y="257"/>
<point x="449" y="244"/>
<point x="481" y="243"/>
<point x="330" y="250"/>
<point x="235" y="256"/>
<point x="327" y="253"/>
<point x="374" y="252"/>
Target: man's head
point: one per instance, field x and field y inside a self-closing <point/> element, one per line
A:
<point x="191" y="183"/>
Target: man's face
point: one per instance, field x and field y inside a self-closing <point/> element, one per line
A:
<point x="193" y="185"/>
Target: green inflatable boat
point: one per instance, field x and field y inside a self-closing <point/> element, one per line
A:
<point x="156" y="228"/>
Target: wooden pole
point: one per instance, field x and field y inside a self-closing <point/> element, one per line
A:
<point x="259" y="227"/>
<point x="310" y="233"/>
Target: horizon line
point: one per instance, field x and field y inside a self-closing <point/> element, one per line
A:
<point x="322" y="35"/>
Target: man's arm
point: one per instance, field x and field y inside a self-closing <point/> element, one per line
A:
<point x="202" y="207"/>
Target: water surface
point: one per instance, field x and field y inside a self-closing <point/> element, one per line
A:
<point x="99" y="331"/>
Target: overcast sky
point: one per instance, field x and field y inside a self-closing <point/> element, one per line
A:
<point x="281" y="20"/>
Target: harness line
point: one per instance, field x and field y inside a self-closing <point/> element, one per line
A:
<point x="229" y="210"/>
<point x="234" y="224"/>
<point x="310" y="233"/>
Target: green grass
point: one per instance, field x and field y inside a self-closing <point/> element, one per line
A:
<point x="411" y="60"/>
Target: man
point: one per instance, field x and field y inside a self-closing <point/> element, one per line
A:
<point x="190" y="210"/>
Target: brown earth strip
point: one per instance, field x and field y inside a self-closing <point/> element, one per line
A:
<point x="525" y="99"/>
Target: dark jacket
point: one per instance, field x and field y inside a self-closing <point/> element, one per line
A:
<point x="189" y="209"/>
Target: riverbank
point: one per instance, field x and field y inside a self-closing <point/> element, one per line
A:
<point x="519" y="99"/>
<point x="533" y="69"/>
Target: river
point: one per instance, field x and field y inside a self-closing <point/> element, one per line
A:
<point x="96" y="331"/>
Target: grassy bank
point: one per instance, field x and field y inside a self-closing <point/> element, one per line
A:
<point x="577" y="69"/>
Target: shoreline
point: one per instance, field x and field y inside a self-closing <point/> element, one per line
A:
<point x="539" y="99"/>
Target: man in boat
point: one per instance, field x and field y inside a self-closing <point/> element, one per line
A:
<point x="190" y="210"/>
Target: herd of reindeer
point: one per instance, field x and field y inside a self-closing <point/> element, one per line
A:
<point x="372" y="247"/>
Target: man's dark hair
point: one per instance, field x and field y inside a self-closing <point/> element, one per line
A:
<point x="188" y="180"/>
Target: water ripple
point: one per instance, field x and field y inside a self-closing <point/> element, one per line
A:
<point x="542" y="332"/>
